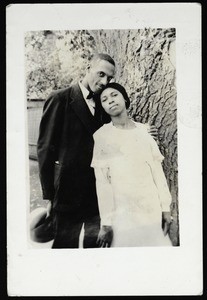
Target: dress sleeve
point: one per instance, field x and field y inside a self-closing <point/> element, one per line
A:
<point x="159" y="177"/>
<point x="103" y="181"/>
<point x="105" y="195"/>
<point x="157" y="156"/>
<point x="100" y="159"/>
<point x="161" y="183"/>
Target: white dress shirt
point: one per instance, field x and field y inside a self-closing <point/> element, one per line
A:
<point x="90" y="102"/>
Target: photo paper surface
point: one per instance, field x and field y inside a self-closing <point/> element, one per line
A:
<point x="158" y="60"/>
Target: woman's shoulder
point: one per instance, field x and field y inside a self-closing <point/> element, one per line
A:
<point x="143" y="126"/>
<point x="143" y="130"/>
<point x="103" y="130"/>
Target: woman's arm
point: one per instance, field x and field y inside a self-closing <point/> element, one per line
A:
<point x="106" y="205"/>
<point x="162" y="186"/>
<point x="105" y="195"/>
<point x="161" y="183"/>
<point x="164" y="195"/>
<point x="159" y="176"/>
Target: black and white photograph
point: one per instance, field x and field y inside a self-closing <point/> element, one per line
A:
<point x="127" y="201"/>
<point x="106" y="116"/>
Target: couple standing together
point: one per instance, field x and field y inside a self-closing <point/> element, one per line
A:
<point x="101" y="173"/>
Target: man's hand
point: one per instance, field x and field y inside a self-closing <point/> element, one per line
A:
<point x="153" y="131"/>
<point x="167" y="220"/>
<point x="49" y="207"/>
<point x="105" y="236"/>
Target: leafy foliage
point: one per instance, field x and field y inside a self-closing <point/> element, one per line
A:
<point x="54" y="59"/>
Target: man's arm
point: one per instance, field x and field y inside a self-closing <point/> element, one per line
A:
<point x="152" y="130"/>
<point x="47" y="146"/>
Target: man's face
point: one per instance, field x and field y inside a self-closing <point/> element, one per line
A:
<point x="99" y="74"/>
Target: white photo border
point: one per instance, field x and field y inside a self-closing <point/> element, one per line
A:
<point x="100" y="272"/>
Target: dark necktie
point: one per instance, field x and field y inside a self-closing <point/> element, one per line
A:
<point x="90" y="95"/>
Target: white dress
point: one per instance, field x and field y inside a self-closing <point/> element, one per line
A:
<point x="131" y="185"/>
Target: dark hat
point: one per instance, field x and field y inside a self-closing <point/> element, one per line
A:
<point x="41" y="226"/>
<point x="121" y="89"/>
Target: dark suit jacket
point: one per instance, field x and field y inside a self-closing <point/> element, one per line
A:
<point x="65" y="136"/>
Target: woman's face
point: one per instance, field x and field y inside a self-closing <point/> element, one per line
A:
<point x="113" y="102"/>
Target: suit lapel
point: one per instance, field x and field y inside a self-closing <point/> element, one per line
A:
<point x="80" y="107"/>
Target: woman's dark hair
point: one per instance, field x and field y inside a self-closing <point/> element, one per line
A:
<point x="121" y="89"/>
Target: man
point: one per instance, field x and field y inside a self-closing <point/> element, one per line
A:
<point x="65" y="147"/>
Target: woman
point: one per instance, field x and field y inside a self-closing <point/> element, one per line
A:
<point x="132" y="190"/>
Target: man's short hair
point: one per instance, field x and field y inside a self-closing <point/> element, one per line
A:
<point x="102" y="56"/>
